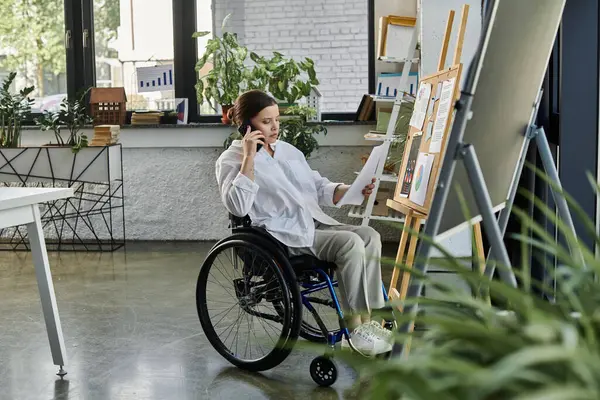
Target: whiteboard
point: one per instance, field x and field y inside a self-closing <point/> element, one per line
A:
<point x="506" y="85"/>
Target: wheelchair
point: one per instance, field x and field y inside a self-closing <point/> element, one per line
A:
<point x="260" y="290"/>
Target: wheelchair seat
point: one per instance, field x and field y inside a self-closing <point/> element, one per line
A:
<point x="301" y="264"/>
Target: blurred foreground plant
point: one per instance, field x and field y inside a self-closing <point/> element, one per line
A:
<point x="533" y="349"/>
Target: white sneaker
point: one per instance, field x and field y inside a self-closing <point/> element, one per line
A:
<point x="370" y="339"/>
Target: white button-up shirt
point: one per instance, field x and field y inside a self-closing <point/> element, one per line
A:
<point x="285" y="196"/>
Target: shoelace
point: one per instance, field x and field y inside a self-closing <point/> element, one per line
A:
<point x="381" y="330"/>
<point x="366" y="333"/>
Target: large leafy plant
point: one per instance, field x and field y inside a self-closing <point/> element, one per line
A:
<point x="14" y="108"/>
<point x="73" y="116"/>
<point x="283" y="77"/>
<point x="298" y="132"/>
<point x="535" y="350"/>
<point x="226" y="80"/>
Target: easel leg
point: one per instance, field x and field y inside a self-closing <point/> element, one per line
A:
<point x="484" y="203"/>
<point x="410" y="259"/>
<point x="481" y="260"/>
<point x="480" y="253"/>
<point x="392" y="291"/>
<point x="561" y="203"/>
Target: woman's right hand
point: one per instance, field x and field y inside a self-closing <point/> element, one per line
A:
<point x="250" y="141"/>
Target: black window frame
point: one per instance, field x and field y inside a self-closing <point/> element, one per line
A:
<point x="81" y="59"/>
<point x="186" y="55"/>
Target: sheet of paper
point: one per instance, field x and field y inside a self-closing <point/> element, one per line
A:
<point x="429" y="130"/>
<point x="421" y="105"/>
<point x="410" y="164"/>
<point x="438" y="91"/>
<point x="354" y="194"/>
<point x="430" y="109"/>
<point x="418" y="192"/>
<point x="443" y="115"/>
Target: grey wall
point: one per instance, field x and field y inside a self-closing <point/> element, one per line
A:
<point x="579" y="105"/>
<point x="172" y="193"/>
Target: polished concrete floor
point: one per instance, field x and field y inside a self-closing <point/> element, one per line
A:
<point x="131" y="331"/>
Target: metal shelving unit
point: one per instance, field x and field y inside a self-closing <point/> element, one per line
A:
<point x="365" y="212"/>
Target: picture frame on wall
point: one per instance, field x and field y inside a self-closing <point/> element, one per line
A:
<point x="395" y="34"/>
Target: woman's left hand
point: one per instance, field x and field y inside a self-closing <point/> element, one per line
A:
<point x="369" y="188"/>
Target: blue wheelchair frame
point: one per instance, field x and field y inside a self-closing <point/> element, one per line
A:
<point x="335" y="336"/>
<point x="308" y="288"/>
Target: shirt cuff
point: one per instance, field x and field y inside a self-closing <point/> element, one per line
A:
<point x="243" y="182"/>
<point x="328" y="192"/>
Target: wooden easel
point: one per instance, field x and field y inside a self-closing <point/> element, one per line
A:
<point x="415" y="213"/>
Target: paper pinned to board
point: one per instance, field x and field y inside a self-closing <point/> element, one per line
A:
<point x="354" y="195"/>
<point x="421" y="106"/>
<point x="443" y="115"/>
<point x="418" y="192"/>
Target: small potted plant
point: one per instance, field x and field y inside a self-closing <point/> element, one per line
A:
<point x="73" y="116"/>
<point x="14" y="108"/>
<point x="283" y="77"/>
<point x="226" y="80"/>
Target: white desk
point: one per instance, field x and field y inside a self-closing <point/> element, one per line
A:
<point x="19" y="206"/>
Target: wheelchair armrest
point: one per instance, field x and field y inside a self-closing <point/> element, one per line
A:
<point x="236" y="222"/>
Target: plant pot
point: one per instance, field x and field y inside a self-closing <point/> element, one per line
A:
<point x="51" y="163"/>
<point x="168" y="119"/>
<point x="225" y="118"/>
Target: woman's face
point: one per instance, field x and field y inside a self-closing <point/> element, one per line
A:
<point x="267" y="121"/>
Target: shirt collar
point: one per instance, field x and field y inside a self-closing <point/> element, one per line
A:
<point x="273" y="145"/>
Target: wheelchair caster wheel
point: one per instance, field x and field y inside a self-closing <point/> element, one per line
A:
<point x="323" y="371"/>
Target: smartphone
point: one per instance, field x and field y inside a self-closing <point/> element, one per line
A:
<point x="244" y="127"/>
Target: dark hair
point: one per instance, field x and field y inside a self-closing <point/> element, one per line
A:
<point x="248" y="105"/>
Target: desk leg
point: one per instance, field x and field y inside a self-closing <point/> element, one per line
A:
<point x="46" y="289"/>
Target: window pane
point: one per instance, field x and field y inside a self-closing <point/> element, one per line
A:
<point x="32" y="45"/>
<point x="131" y="34"/>
<point x="334" y="33"/>
<point x="204" y="23"/>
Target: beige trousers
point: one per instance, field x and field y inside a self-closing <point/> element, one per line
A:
<point x="356" y="250"/>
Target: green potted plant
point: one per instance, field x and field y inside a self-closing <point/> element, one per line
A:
<point x="226" y="79"/>
<point x="294" y="130"/>
<point x="283" y="77"/>
<point x="300" y="133"/>
<point x="14" y="108"/>
<point x="73" y="116"/>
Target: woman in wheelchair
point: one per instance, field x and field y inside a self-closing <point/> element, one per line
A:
<point x="270" y="181"/>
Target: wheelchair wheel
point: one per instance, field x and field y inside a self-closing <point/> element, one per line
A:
<point x="323" y="371"/>
<point x="247" y="306"/>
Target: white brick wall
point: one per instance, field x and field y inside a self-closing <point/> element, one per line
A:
<point x="334" y="33"/>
